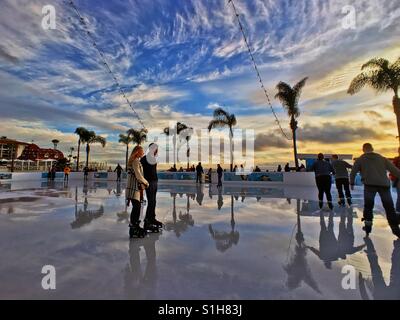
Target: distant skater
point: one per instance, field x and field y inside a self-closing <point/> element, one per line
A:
<point x="67" y="171"/>
<point x="323" y="170"/>
<point x="373" y="168"/>
<point x="135" y="184"/>
<point x="85" y="173"/>
<point x="53" y="173"/>
<point x="199" y="173"/>
<point x="209" y="175"/>
<point x="118" y="169"/>
<point x="220" y="172"/>
<point x="342" y="179"/>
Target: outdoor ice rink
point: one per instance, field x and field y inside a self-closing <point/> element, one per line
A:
<point x="240" y="243"/>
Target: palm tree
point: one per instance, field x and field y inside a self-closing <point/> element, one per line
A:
<point x="176" y="131"/>
<point x="187" y="135"/>
<point x="91" y="139"/>
<point x="126" y="140"/>
<point x="289" y="98"/>
<point x="224" y="119"/>
<point x="83" y="134"/>
<point x="382" y="76"/>
<point x="137" y="136"/>
<point x="55" y="142"/>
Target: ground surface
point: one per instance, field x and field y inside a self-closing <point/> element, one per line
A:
<point x="239" y="243"/>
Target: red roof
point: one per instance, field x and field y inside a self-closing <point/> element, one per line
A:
<point x="10" y="141"/>
<point x="33" y="152"/>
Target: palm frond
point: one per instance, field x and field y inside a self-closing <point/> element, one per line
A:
<point x="137" y="136"/>
<point x="381" y="76"/>
<point x="376" y="63"/>
<point x="358" y="83"/>
<point x="216" y="123"/>
<point x="83" y="133"/>
<point x="219" y="112"/>
<point x="284" y="87"/>
<point x="98" y="139"/>
<point x="124" y="139"/>
<point x="180" y="127"/>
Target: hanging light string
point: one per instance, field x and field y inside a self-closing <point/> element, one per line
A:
<point x="104" y="61"/>
<point x="257" y="70"/>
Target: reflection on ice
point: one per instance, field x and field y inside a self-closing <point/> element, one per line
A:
<point x="234" y="242"/>
<point x="223" y="239"/>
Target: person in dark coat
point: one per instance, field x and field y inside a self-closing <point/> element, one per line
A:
<point x="118" y="169"/>
<point x="323" y="170"/>
<point x="199" y="172"/>
<point x="220" y="172"/>
<point x="149" y="164"/>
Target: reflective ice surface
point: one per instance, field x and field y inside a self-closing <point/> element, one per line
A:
<point x="240" y="243"/>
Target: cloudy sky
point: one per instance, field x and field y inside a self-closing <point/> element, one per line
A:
<point x="179" y="60"/>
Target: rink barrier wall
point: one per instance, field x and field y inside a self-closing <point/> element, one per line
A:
<point x="306" y="179"/>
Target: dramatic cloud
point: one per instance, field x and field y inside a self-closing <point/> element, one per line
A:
<point x="264" y="141"/>
<point x="339" y="132"/>
<point x="179" y="60"/>
<point x="373" y="114"/>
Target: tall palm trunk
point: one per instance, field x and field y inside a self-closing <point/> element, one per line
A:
<point x="231" y="148"/>
<point x="232" y="215"/>
<point x="174" y="146"/>
<point x="293" y="126"/>
<point x="396" y="109"/>
<point x="187" y="153"/>
<point x="87" y="154"/>
<point x="77" y="157"/>
<point x="126" y="157"/>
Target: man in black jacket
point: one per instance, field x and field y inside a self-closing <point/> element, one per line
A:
<point x="149" y="164"/>
<point x="199" y="171"/>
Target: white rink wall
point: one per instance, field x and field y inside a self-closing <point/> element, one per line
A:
<point x="305" y="179"/>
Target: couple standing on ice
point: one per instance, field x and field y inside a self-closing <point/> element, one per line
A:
<point x="142" y="175"/>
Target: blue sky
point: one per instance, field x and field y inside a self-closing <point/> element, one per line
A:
<point x="180" y="59"/>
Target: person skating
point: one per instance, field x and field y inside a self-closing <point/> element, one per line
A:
<point x="85" y="173"/>
<point x="53" y="172"/>
<point x="67" y="171"/>
<point x="209" y="175"/>
<point x="220" y="172"/>
<point x="323" y="170"/>
<point x="149" y="163"/>
<point x="342" y="179"/>
<point x="395" y="180"/>
<point x="373" y="168"/>
<point x="118" y="169"/>
<point x="199" y="173"/>
<point x="136" y="182"/>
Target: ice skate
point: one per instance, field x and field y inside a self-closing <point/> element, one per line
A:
<point x="151" y="226"/>
<point x="136" y="231"/>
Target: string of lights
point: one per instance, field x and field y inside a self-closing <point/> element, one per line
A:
<point x="104" y="61"/>
<point x="257" y="69"/>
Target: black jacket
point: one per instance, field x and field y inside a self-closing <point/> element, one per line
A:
<point x="149" y="170"/>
